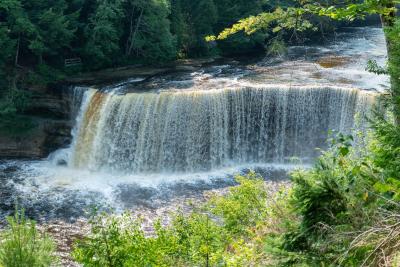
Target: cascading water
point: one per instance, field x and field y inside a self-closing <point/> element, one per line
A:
<point x="143" y="142"/>
<point x="200" y="130"/>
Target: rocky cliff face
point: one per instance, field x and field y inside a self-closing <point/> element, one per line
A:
<point x="49" y="111"/>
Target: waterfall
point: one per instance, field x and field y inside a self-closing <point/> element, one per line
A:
<point x="200" y="130"/>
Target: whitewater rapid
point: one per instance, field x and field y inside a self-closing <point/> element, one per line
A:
<point x="142" y="142"/>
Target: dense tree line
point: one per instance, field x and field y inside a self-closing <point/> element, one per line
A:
<point x="114" y="32"/>
<point x="38" y="36"/>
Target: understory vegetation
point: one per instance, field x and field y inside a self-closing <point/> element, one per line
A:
<point x="347" y="205"/>
<point x="227" y="230"/>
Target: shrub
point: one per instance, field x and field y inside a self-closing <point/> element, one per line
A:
<point x="114" y="241"/>
<point x="220" y="233"/>
<point x="347" y="205"/>
<point x="23" y="246"/>
<point x="243" y="206"/>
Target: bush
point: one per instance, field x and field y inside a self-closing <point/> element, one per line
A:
<point x="23" y="246"/>
<point x="220" y="233"/>
<point x="243" y="206"/>
<point x="115" y="241"/>
<point x="347" y="205"/>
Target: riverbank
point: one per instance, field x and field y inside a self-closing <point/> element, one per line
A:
<point x="112" y="75"/>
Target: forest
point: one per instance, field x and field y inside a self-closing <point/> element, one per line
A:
<point x="110" y="33"/>
<point x="40" y="39"/>
<point x="342" y="209"/>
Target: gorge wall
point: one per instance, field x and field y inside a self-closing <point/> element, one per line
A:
<point x="49" y="111"/>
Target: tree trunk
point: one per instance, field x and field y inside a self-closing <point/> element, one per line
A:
<point x="133" y="37"/>
<point x="128" y="40"/>
<point x="14" y="78"/>
<point x="388" y="22"/>
<point x="17" y="51"/>
<point x="40" y="59"/>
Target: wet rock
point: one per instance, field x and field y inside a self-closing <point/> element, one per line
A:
<point x="10" y="169"/>
<point x="66" y="235"/>
<point x="46" y="136"/>
<point x="49" y="113"/>
<point x="61" y="162"/>
<point x="329" y="62"/>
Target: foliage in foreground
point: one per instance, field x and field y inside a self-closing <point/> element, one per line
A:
<point x="348" y="204"/>
<point x="21" y="245"/>
<point x="224" y="232"/>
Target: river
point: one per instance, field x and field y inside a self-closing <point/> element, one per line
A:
<point x="144" y="142"/>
